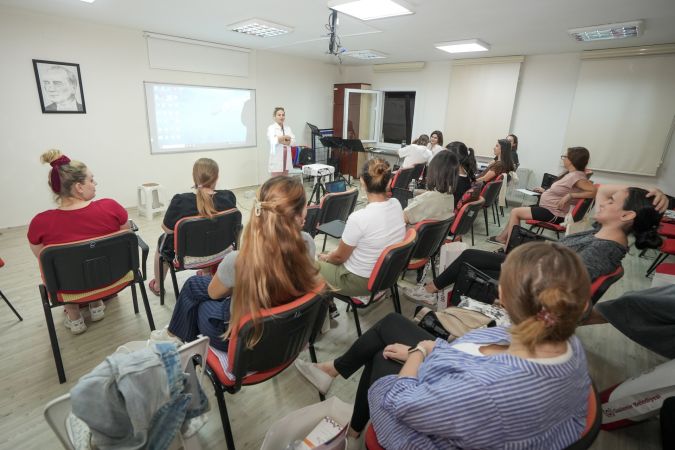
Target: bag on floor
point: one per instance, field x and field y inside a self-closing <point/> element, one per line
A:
<point x="449" y="253"/>
<point x="520" y="236"/>
<point x="474" y="284"/>
<point x="637" y="398"/>
<point x="295" y="426"/>
<point x="452" y="322"/>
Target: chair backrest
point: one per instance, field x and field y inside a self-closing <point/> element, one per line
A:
<point x="430" y="236"/>
<point x="547" y="180"/>
<point x="2" y="263"/>
<point x="201" y="241"/>
<point x="402" y="178"/>
<point x="392" y="262"/>
<point x="581" y="208"/>
<point x="402" y="195"/>
<point x="311" y="220"/>
<point x="465" y="217"/>
<point x="600" y="285"/>
<point x="56" y="411"/>
<point x="337" y="206"/>
<point x="89" y="265"/>
<point x="491" y="190"/>
<point x="286" y="330"/>
<point x="593" y="422"/>
<point x="417" y="170"/>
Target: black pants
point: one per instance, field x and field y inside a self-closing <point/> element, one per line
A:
<point x="366" y="352"/>
<point x="668" y="423"/>
<point x="487" y="262"/>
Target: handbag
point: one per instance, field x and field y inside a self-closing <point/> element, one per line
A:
<point x="449" y="253"/>
<point x="520" y="236"/>
<point x="452" y="322"/>
<point x="474" y="284"/>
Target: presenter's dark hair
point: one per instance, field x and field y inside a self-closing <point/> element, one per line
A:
<point x="442" y="172"/>
<point x="439" y="136"/>
<point x="376" y="174"/>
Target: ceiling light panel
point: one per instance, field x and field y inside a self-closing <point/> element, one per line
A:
<point x="369" y="9"/>
<point x="365" y="54"/>
<point x="88" y="1"/>
<point x="467" y="46"/>
<point x="608" y="31"/>
<point x="259" y="27"/>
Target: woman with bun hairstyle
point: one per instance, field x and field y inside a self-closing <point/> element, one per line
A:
<point x="435" y="144"/>
<point x="78" y="217"/>
<point x="503" y="162"/>
<point x="415" y="153"/>
<point x="467" y="168"/>
<point x="275" y="265"/>
<point x="205" y="201"/>
<point x="280" y="138"/>
<point x="488" y="388"/>
<point x="367" y="232"/>
<point x="620" y="212"/>
<point x="555" y="202"/>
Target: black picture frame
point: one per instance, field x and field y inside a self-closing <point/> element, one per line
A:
<point x="59" y="87"/>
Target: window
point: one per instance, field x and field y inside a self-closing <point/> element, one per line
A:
<point x="397" y="117"/>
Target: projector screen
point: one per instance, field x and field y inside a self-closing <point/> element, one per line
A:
<point x="184" y="118"/>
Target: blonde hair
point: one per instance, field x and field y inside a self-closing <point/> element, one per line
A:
<point x="273" y="266"/>
<point x="70" y="173"/>
<point x="205" y="176"/>
<point x="545" y="287"/>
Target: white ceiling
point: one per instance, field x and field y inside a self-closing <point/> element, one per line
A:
<point x="511" y="27"/>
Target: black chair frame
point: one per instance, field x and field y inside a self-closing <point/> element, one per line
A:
<point x="333" y="212"/>
<point x="491" y="195"/>
<point x="87" y="266"/>
<point x="431" y="236"/>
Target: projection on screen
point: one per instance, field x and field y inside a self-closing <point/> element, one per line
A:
<point x="184" y="118"/>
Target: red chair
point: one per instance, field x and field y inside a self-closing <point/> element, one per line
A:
<point x="667" y="249"/>
<point x="402" y="178"/>
<point x="464" y="220"/>
<point x="580" y="210"/>
<point x="600" y="285"/>
<point x="667" y="230"/>
<point x="199" y="243"/>
<point x="418" y="170"/>
<point x="2" y="264"/>
<point x="86" y="271"/>
<point x="390" y="265"/>
<point x="286" y="331"/>
<point x="430" y="236"/>
<point x="588" y="436"/>
<point x="490" y="194"/>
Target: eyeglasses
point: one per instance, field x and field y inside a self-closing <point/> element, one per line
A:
<point x="563" y="157"/>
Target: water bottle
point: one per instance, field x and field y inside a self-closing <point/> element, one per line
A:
<point x="403" y="144"/>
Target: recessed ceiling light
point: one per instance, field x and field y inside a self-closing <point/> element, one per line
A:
<point x="470" y="45"/>
<point x="365" y="54"/>
<point x="88" y="1"/>
<point x="609" y="31"/>
<point x="258" y="27"/>
<point x="369" y="9"/>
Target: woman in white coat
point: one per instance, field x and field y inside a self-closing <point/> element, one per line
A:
<point x="281" y="138"/>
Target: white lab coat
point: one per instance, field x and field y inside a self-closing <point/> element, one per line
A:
<point x="276" y="162"/>
<point x="414" y="154"/>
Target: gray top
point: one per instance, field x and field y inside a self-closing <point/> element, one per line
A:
<point x="225" y="272"/>
<point x="600" y="256"/>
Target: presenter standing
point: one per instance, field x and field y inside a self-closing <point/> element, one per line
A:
<point x="281" y="138"/>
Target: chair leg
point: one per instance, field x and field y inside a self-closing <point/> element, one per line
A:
<point x="395" y="298"/>
<point x="499" y="224"/>
<point x="161" y="281"/>
<point x="224" y="417"/>
<point x="325" y="237"/>
<point x="356" y="321"/>
<point x="433" y="266"/>
<point x="472" y="241"/>
<point x="52" y="334"/>
<point x="10" y="306"/>
<point x="134" y="297"/>
<point x="487" y="229"/>
<point x="174" y="280"/>
<point x="659" y="259"/>
<point x="146" y="305"/>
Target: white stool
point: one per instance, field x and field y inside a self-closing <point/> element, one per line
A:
<point x="151" y="199"/>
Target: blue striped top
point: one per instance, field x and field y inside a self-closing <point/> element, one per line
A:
<point x="462" y="401"/>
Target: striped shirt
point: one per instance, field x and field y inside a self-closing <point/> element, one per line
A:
<point x="500" y="401"/>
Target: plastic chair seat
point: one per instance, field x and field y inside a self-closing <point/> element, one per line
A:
<point x="228" y="380"/>
<point x="333" y="229"/>
<point x="96" y="294"/>
<point x="417" y="263"/>
<point x="547" y="225"/>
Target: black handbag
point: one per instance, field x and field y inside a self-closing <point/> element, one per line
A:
<point x="474" y="284"/>
<point x="520" y="236"/>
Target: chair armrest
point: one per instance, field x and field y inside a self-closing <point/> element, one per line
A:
<point x="133" y="226"/>
<point x="145" y="250"/>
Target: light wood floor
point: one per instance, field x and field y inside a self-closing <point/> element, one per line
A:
<point x="28" y="377"/>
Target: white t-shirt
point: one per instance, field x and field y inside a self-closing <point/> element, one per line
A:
<point x="414" y="154"/>
<point x="434" y="150"/>
<point x="370" y="230"/>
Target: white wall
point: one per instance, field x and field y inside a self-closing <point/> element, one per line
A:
<point x="541" y="111"/>
<point x="112" y="138"/>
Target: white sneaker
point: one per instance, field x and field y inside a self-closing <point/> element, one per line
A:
<point x="419" y="294"/>
<point x="78" y="433"/>
<point x="162" y="335"/>
<point x="320" y="379"/>
<point x="76" y="326"/>
<point x="193" y="425"/>
<point x="97" y="312"/>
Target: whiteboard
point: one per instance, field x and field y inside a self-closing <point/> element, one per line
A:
<point x="183" y="118"/>
<point x="623" y="112"/>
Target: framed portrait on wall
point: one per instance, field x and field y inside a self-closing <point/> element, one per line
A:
<point x="60" y="87"/>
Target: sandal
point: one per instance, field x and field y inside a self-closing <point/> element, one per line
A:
<point x="152" y="285"/>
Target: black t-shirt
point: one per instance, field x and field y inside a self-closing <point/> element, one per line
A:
<point x="185" y="205"/>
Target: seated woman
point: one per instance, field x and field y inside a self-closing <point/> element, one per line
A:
<point x="206" y="201"/>
<point x="555" y="202"/>
<point x="467" y="168"/>
<point x="415" y="153"/>
<point x="513" y="139"/>
<point x="77" y="218"/>
<point x="209" y="306"/>
<point x="503" y="163"/>
<point x="435" y="144"/>
<point x="488" y="388"/>
<point x="367" y="232"/>
<point x="437" y="203"/>
<point x="620" y="211"/>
